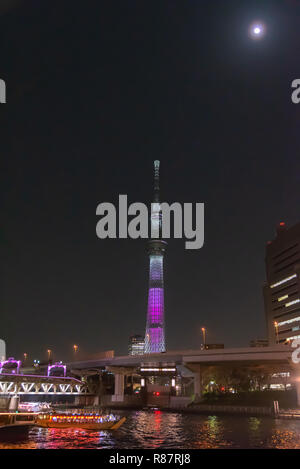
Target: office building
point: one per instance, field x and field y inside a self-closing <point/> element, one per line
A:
<point x="136" y="345"/>
<point x="282" y="288"/>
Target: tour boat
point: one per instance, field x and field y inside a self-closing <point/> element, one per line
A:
<point x="16" y="422"/>
<point x="87" y="422"/>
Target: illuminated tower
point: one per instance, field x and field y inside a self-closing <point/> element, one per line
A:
<point x="155" y="327"/>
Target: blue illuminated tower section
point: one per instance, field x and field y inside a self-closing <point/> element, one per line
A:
<point x="155" y="327"/>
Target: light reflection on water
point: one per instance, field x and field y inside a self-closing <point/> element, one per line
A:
<point x="156" y="429"/>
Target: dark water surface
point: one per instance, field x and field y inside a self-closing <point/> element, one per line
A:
<point x="156" y="429"/>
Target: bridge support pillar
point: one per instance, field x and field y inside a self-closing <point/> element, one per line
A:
<point x="198" y="384"/>
<point x="119" y="388"/>
<point x="77" y="400"/>
<point x="4" y="403"/>
<point x="295" y="380"/>
<point x="13" y="403"/>
<point x="96" y="401"/>
<point x="297" y="387"/>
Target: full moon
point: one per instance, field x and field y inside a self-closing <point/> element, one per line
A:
<point x="257" y="30"/>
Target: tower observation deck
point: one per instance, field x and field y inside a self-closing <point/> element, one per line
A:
<point x="155" y="326"/>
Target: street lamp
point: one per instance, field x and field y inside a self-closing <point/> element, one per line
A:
<point x="25" y="357"/>
<point x="49" y="353"/>
<point x="75" y="348"/>
<point x="276" y="331"/>
<point x="204" y="335"/>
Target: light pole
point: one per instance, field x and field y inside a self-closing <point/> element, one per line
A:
<point x="204" y="336"/>
<point x="75" y="348"/>
<point x="276" y="331"/>
<point x="49" y="352"/>
<point x="25" y="357"/>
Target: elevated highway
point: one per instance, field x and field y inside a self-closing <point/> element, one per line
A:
<point x="276" y="359"/>
<point x="276" y="355"/>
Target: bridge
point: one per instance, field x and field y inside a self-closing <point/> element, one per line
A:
<point x="12" y="384"/>
<point x="192" y="360"/>
<point x="192" y="363"/>
<point x="279" y="354"/>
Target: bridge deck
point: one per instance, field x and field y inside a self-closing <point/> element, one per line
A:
<point x="275" y="354"/>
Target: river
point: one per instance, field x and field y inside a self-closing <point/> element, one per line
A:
<point x="155" y="429"/>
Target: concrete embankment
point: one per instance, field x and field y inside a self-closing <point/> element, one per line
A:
<point x="182" y="404"/>
<point x="289" y="414"/>
<point x="237" y="410"/>
<point x="229" y="409"/>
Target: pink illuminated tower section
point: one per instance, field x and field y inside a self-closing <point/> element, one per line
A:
<point x="155" y="327"/>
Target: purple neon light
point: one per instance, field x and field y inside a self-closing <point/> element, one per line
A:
<point x="156" y="306"/>
<point x="11" y="361"/>
<point x="155" y="338"/>
<point x="56" y="365"/>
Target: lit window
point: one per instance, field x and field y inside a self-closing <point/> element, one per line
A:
<point x="292" y="302"/>
<point x="283" y="281"/>
<point x="283" y="297"/>
<point x="289" y="321"/>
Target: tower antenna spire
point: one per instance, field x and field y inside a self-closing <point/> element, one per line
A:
<point x="156" y="180"/>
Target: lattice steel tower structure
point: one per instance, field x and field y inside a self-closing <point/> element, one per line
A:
<point x="155" y="327"/>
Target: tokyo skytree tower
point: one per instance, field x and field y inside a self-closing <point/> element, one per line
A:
<point x="155" y="327"/>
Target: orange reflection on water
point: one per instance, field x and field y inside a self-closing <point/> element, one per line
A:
<point x="285" y="440"/>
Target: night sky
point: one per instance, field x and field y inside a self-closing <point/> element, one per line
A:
<point x="95" y="92"/>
